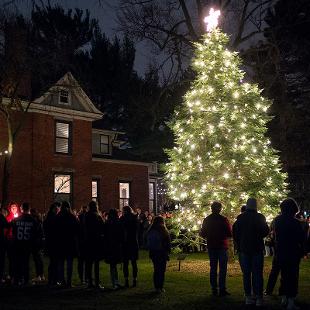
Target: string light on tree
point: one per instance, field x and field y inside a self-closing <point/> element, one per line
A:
<point x="221" y="130"/>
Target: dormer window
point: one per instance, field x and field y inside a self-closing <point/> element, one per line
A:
<point x="64" y="97"/>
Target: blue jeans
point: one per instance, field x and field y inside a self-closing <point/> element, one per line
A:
<point x="218" y="257"/>
<point x="252" y="266"/>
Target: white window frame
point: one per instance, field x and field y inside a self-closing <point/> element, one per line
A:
<point x="95" y="197"/>
<point x="124" y="201"/>
<point x="64" y="191"/>
<point x="105" y="144"/>
<point x="69" y="138"/>
<point x="60" y="95"/>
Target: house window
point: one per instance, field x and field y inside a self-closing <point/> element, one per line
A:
<point x="104" y="144"/>
<point x="151" y="196"/>
<point x="63" y="137"/>
<point x="64" y="97"/>
<point x="124" y="194"/>
<point x="62" y="187"/>
<point x="95" y="190"/>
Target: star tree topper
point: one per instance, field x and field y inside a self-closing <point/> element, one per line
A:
<point x="212" y="19"/>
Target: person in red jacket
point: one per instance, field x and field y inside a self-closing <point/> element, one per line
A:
<point x="217" y="231"/>
<point x="13" y="213"/>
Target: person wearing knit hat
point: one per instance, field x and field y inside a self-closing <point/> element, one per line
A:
<point x="249" y="232"/>
<point x="251" y="204"/>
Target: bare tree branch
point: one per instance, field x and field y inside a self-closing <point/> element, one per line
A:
<point x="164" y="22"/>
<point x="188" y="21"/>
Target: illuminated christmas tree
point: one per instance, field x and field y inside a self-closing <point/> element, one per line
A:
<point x="221" y="150"/>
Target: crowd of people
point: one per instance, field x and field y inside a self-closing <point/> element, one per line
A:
<point x="116" y="237"/>
<point x="288" y="234"/>
<point x="89" y="235"/>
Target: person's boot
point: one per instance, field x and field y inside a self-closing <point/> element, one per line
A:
<point x="283" y="301"/>
<point x="134" y="282"/>
<point x="126" y="283"/>
<point x="223" y="293"/>
<point x="291" y="304"/>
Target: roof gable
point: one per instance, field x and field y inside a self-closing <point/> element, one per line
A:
<point x="79" y="102"/>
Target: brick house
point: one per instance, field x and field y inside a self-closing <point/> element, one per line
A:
<point x="58" y="155"/>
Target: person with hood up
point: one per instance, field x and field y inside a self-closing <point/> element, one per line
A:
<point x="249" y="232"/>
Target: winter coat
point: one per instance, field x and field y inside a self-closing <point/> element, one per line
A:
<point x="130" y="245"/>
<point x="146" y="226"/>
<point x="158" y="243"/>
<point x="93" y="229"/>
<point x="3" y="226"/>
<point x="289" y="238"/>
<point x="249" y="232"/>
<point x="113" y="241"/>
<point x="216" y="229"/>
<point x="67" y="231"/>
<point x="50" y="233"/>
<point x="82" y="241"/>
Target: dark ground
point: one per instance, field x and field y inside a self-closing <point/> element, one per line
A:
<point x="185" y="289"/>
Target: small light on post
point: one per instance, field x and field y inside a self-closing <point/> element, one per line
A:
<point x="212" y="19"/>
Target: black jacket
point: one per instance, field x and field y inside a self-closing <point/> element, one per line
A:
<point x="50" y="229"/>
<point x="249" y="232"/>
<point x="67" y="234"/>
<point x="289" y="238"/>
<point x="3" y="225"/>
<point x="113" y="241"/>
<point x="93" y="227"/>
<point x="130" y="245"/>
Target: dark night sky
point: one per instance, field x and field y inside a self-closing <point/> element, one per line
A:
<point x="106" y="15"/>
<point x="105" y="11"/>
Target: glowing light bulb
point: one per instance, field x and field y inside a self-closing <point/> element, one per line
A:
<point x="236" y="94"/>
<point x="226" y="175"/>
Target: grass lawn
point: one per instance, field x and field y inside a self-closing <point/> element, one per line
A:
<point x="185" y="289"/>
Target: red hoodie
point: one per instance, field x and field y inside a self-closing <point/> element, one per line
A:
<point x="10" y="217"/>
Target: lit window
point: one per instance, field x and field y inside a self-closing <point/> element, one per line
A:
<point x="104" y="144"/>
<point x="62" y="187"/>
<point x="95" y="190"/>
<point x="151" y="196"/>
<point x="64" y="97"/>
<point x="63" y="138"/>
<point x="124" y="194"/>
